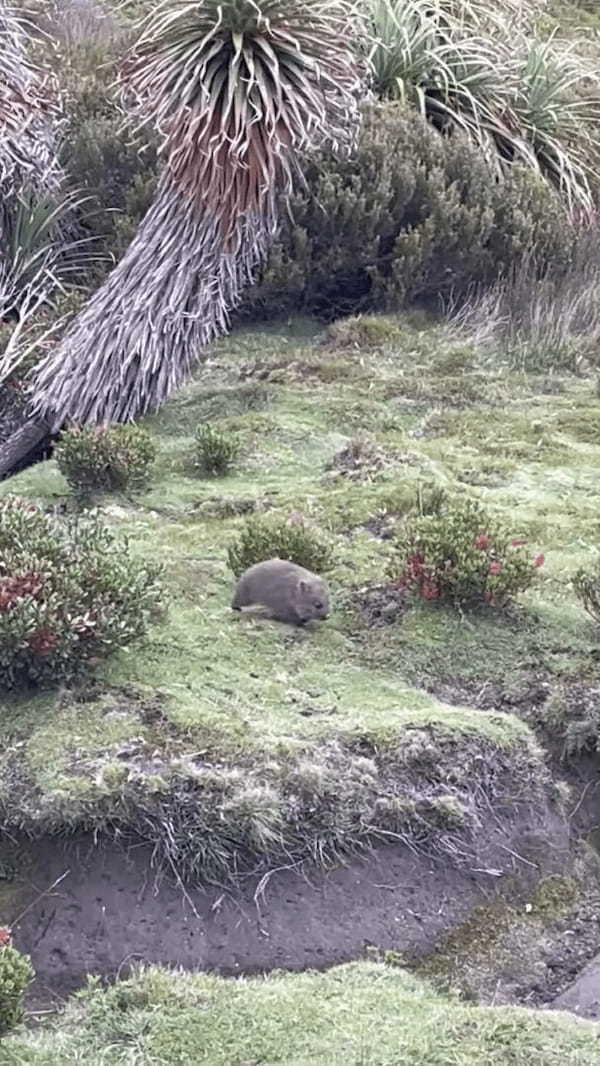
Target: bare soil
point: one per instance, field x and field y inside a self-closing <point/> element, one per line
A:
<point x="82" y="907"/>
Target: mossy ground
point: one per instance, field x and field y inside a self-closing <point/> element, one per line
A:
<point x="364" y="1014"/>
<point x="525" y="951"/>
<point x="209" y="692"/>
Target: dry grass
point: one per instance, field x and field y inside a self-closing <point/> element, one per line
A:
<point x="541" y="324"/>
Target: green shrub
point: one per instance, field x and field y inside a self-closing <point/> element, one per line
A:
<point x="216" y="450"/>
<point x="70" y="594"/>
<point x="101" y="157"/>
<point x="586" y="584"/>
<point x="16" y="972"/>
<point x="466" y="66"/>
<point x="411" y="215"/>
<point x="110" y="459"/>
<point x="462" y="556"/>
<point x="269" y="537"/>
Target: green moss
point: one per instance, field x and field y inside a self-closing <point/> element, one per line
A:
<point x="504" y="945"/>
<point x="248" y="691"/>
<point x="475" y="939"/>
<point x="553" y="896"/>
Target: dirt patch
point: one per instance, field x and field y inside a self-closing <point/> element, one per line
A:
<point x="566" y="711"/>
<point x="360" y="459"/>
<point x="381" y="605"/>
<point x="86" y="906"/>
<point x="583" y="996"/>
<point x="382" y="526"/>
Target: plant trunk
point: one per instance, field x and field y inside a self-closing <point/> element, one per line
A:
<point x="24" y="445"/>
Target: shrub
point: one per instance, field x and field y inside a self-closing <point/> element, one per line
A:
<point x="462" y="556"/>
<point x="586" y="584"/>
<point x="100" y="157"/>
<point x="466" y="66"/>
<point x="216" y="450"/>
<point x="410" y="215"/>
<point x="106" y="459"/>
<point x="70" y="594"/>
<point x="267" y="537"/>
<point x="16" y="972"/>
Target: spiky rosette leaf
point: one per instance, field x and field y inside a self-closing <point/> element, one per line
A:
<point x="29" y="105"/>
<point x="240" y="90"/>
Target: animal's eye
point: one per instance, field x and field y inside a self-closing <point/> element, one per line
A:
<point x="318" y="605"/>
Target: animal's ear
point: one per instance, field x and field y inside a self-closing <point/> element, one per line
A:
<point x="302" y="585"/>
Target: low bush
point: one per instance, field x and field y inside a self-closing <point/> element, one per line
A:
<point x="105" y="459"/>
<point x="269" y="537"/>
<point x="16" y="972"/>
<point x="410" y="215"/>
<point x="462" y="556"/>
<point x="216" y="450"/>
<point x="363" y="331"/>
<point x="467" y="66"/>
<point x="586" y="584"/>
<point x="70" y="595"/>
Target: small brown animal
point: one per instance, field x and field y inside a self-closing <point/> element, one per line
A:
<point x="291" y="593"/>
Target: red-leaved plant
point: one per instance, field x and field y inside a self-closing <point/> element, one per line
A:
<point x="463" y="556"/>
<point x="69" y="594"/>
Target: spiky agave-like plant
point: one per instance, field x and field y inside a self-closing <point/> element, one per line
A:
<point x="41" y="249"/>
<point x="476" y="65"/>
<point x="239" y="90"/>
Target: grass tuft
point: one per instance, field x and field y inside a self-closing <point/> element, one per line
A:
<point x="362" y="1014"/>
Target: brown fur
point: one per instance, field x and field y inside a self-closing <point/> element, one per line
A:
<point x="291" y="593"/>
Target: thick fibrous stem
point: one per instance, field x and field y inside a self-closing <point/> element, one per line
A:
<point x="143" y="331"/>
<point x="238" y="92"/>
<point x="25" y="442"/>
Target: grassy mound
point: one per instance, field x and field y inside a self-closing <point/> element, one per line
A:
<point x="363" y="1014"/>
<point x="231" y="740"/>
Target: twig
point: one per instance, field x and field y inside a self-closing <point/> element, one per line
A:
<point x="580" y="801"/>
<point x="181" y="885"/>
<point x="264" y="881"/>
<point x="535" y="865"/>
<point x="41" y="896"/>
